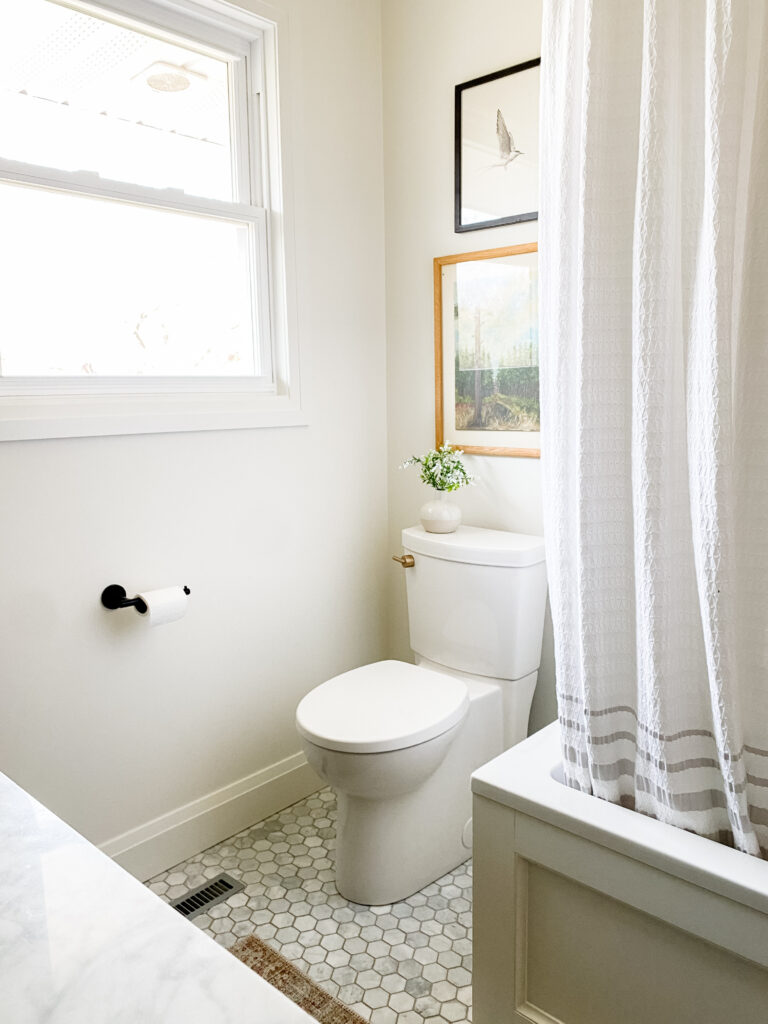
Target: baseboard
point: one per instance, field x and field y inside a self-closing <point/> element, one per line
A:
<point x="173" y="837"/>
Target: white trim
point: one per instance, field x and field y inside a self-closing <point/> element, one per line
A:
<point x="276" y="177"/>
<point x="243" y="152"/>
<point x="94" y="186"/>
<point x="98" y="415"/>
<point x="180" y="18"/>
<point x="181" y="833"/>
<point x="67" y="387"/>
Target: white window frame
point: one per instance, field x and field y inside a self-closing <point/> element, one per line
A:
<point x="76" y="407"/>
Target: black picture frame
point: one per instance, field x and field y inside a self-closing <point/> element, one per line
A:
<point x="513" y="217"/>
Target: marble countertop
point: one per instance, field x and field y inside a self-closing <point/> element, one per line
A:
<point x="82" y="942"/>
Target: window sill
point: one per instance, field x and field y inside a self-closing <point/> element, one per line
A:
<point x="36" y="418"/>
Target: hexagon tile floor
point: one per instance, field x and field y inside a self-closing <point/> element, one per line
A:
<point x="400" y="964"/>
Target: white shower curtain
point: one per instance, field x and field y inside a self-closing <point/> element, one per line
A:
<point x="654" y="363"/>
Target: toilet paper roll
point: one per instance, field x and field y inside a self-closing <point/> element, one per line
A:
<point x="165" y="605"/>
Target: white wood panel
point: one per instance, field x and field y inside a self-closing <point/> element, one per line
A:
<point x="568" y="932"/>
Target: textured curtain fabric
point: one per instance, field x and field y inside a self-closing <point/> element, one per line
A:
<point x="654" y="362"/>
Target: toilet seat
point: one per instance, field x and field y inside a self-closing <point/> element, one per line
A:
<point x="388" y="705"/>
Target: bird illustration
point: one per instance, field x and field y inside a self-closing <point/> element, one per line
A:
<point x="507" y="150"/>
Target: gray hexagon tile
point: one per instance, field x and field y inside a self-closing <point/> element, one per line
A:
<point x="407" y="963"/>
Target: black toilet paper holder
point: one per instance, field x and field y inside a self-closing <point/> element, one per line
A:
<point x="114" y="596"/>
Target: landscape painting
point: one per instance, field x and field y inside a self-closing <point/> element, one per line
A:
<point x="489" y="351"/>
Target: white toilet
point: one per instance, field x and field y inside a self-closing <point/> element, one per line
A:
<point x="398" y="742"/>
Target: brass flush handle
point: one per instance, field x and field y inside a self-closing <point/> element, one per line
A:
<point x="407" y="561"/>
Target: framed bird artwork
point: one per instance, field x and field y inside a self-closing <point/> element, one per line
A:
<point x="497" y="148"/>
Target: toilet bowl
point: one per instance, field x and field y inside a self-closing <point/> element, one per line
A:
<point x="399" y="742"/>
<point x="381" y="730"/>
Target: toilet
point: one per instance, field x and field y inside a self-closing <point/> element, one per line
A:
<point x="398" y="742"/>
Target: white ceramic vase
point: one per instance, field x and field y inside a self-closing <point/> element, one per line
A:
<point x="440" y="515"/>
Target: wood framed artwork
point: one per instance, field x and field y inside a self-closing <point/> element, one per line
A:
<point x="496" y="154"/>
<point x="487" y="351"/>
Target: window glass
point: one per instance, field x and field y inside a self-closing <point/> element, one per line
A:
<point x="79" y="93"/>
<point x="107" y="288"/>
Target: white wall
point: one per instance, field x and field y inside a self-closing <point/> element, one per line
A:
<point x="281" y="534"/>
<point x="429" y="47"/>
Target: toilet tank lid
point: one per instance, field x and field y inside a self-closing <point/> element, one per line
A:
<point x="387" y="705"/>
<point x="477" y="546"/>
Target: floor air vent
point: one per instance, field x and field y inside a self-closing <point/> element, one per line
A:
<point x="205" y="896"/>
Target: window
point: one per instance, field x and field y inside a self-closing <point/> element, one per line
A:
<point x="141" y="255"/>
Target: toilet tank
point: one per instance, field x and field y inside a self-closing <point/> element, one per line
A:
<point x="476" y="599"/>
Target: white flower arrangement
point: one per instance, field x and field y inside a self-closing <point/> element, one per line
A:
<point x="441" y="468"/>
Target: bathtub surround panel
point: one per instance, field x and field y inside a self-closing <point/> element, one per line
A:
<point x="125" y="730"/>
<point x="585" y="911"/>
<point x="584" y="957"/>
<point x="600" y="977"/>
